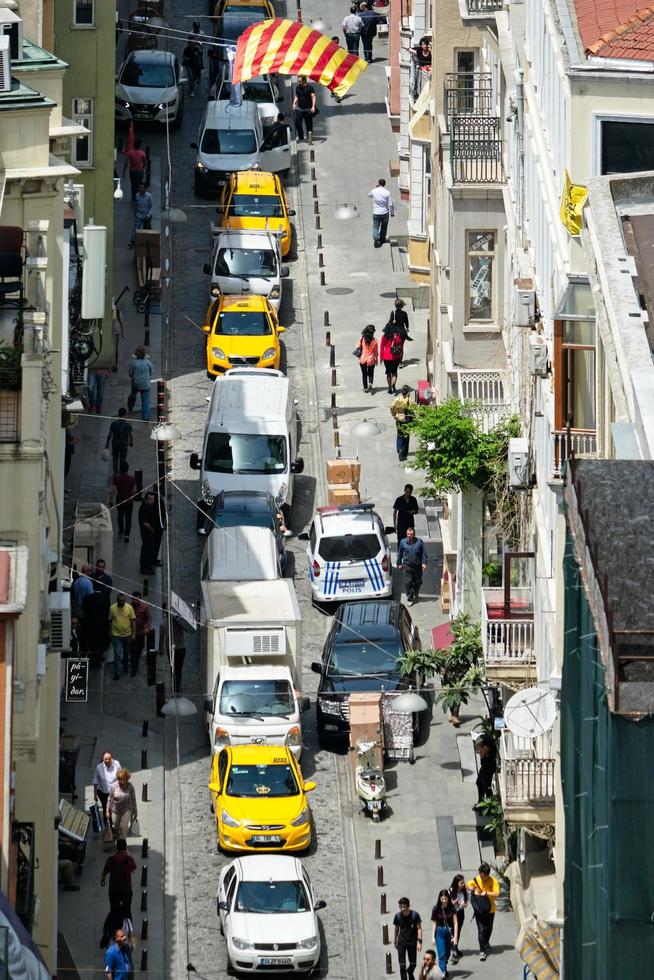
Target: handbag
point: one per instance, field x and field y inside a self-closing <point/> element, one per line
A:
<point x="396" y="349"/>
<point x="107" y="834"/>
<point x="358" y="351"/>
<point x="97" y="818"/>
<point x="480" y="903"/>
<point x="135" y="829"/>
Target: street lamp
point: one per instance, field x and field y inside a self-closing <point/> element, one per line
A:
<point x="365" y="428"/>
<point x="165" y="432"/>
<point x="409" y="703"/>
<point x="179" y="705"/>
<point x="346" y="212"/>
<point x="174" y="215"/>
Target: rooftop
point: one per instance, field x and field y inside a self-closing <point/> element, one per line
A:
<point x="34" y="58"/>
<point x="23" y="97"/>
<point x="616" y="28"/>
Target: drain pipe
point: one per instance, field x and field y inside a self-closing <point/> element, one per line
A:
<point x="520" y="121"/>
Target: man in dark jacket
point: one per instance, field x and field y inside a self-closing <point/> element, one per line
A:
<point x="152" y="521"/>
<point x="412" y="559"/>
<point x="369" y="29"/>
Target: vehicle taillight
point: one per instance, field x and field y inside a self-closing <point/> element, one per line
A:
<point x="316" y="569"/>
<point x="385" y="563"/>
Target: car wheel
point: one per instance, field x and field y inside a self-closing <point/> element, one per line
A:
<point x="197" y="187"/>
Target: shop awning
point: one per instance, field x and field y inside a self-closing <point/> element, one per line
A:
<point x="19" y="957"/>
<point x="441" y="636"/>
<point x="540" y="948"/>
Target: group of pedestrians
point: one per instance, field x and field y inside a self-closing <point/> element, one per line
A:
<point x="447" y="920"/>
<point x="390" y="351"/>
<point x="360" y="26"/>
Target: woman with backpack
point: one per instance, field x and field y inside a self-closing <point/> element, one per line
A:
<point x="367" y="354"/>
<point x="390" y="353"/>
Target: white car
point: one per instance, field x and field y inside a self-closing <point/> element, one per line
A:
<point x="349" y="554"/>
<point x="263" y="90"/>
<point x="248" y="263"/>
<point x="150" y="88"/>
<point x="268" y="914"/>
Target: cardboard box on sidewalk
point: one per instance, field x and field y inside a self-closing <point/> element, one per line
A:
<point x="342" y="494"/>
<point x="366" y="723"/>
<point x="344" y="472"/>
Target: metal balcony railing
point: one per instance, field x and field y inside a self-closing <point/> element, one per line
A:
<point x="476" y="149"/>
<point x="571" y="443"/>
<point x="526" y="775"/>
<point x="484" y="391"/>
<point x="468" y="93"/>
<point x="484" y="6"/>
<point x="507" y="636"/>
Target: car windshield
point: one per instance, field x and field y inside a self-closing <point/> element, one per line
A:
<point x="365" y="657"/>
<point x="257" y="90"/>
<point x="245" y="262"/>
<point x="251" y="698"/>
<point x="228" y="141"/>
<point x="245" y="324"/>
<point x="269" y="897"/>
<point x="349" y="547"/>
<point x="255" y="206"/>
<point x="262" y="781"/>
<point x="241" y="453"/>
<point x="148" y="75"/>
<point x="251" y="8"/>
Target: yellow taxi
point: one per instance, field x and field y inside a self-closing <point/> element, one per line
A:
<point x="258" y="797"/>
<point x="243" y="331"/>
<point x="255" y="199"/>
<point x="263" y="7"/>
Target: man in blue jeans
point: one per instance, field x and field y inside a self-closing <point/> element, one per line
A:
<point x="123" y="630"/>
<point x="401" y="412"/>
<point x="140" y="372"/>
<point x="412" y="559"/>
<point x="118" y="958"/>
<point x="383" y="207"/>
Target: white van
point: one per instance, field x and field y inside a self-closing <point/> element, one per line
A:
<point x="251" y="436"/>
<point x="231" y="138"/>
<point x="246" y="263"/>
<point x="240" y="554"/>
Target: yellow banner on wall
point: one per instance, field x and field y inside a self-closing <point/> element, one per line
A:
<point x="572" y="202"/>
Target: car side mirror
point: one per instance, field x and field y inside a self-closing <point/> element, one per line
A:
<point x="305" y="703"/>
<point x="206" y="327"/>
<point x="194" y="461"/>
<point x="209" y="704"/>
<point x="193" y="146"/>
<point x="281" y="329"/>
<point x="308" y="787"/>
<point x="298" y="465"/>
<point x="291" y="213"/>
<point x="222" y="906"/>
<point x="284" y="272"/>
<point x="215" y="788"/>
<point x="206" y="268"/>
<point x="316" y="667"/>
<point x="320" y="904"/>
<point x="303" y="536"/>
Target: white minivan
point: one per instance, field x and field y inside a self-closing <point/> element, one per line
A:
<point x="231" y="138"/>
<point x="251" y="436"/>
<point x="240" y="554"/>
<point x="246" y="263"/>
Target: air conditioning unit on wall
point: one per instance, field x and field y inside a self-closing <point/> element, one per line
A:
<point x="519" y="476"/>
<point x="525" y="303"/>
<point x="537" y="356"/>
<point x="60" y="625"/>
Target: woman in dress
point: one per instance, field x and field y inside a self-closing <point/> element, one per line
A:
<point x="121" y="806"/>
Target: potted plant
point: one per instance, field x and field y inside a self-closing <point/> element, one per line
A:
<point x="10" y="369"/>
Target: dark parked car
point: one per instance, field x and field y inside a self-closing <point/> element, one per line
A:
<point x="244" y="508"/>
<point x="361" y="654"/>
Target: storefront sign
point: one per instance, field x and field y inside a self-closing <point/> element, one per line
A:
<point x="77" y="679"/>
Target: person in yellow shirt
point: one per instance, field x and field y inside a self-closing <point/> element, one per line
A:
<point x="484" y="889"/>
<point x="123" y="629"/>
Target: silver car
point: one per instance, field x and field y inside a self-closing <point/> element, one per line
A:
<point x="150" y="88"/>
<point x="246" y="263"/>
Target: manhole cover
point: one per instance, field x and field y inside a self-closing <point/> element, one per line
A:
<point x="341" y="291"/>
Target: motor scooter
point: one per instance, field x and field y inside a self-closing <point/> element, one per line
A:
<point x="369" y="780"/>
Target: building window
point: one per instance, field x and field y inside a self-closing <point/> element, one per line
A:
<point x="480" y="277"/>
<point x="83" y="13"/>
<point x="575" y="361"/>
<point x="82" y="147"/>
<point x="627" y="147"/>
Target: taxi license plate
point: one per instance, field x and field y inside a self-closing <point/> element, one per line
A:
<point x="266" y="839"/>
<point x="275" y="961"/>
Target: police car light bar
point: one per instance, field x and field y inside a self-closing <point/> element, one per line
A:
<point x="346" y="509"/>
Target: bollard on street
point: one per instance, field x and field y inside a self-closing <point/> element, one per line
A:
<point x="389" y="964"/>
<point x="144" y="758"/>
<point x="383" y="907"/>
<point x="144" y="900"/>
<point x="144" y="793"/>
<point x="385" y="939"/>
<point x="144" y="928"/>
<point x="380" y="876"/>
<point x="378" y="853"/>
<point x="144" y="730"/>
<point x="144" y="847"/>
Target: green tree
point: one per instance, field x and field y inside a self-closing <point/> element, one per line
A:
<point x="458" y="665"/>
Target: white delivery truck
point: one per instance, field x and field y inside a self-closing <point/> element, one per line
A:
<point x="252" y="668"/>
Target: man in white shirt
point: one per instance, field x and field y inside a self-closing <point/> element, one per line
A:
<point x="352" y="27"/>
<point x="104" y="778"/>
<point x="382" y="208"/>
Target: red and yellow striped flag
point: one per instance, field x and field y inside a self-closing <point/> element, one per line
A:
<point x="291" y="48"/>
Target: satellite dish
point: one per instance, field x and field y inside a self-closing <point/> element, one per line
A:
<point x="530" y="713"/>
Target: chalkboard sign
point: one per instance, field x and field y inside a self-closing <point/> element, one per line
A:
<point x="77" y="679"/>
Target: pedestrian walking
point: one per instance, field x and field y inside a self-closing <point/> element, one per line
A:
<point x="118" y="958"/>
<point x="304" y="108"/>
<point x="121" y="806"/>
<point x="142" y="627"/>
<point x="445" y="930"/>
<point x="486" y="749"/>
<point x="152" y="521"/>
<point x="367" y="353"/>
<point x="122" y="619"/>
<point x="459" y="896"/>
<point x="412" y="559"/>
<point x="176" y="657"/>
<point x="104" y="777"/>
<point x="484" y="889"/>
<point x="81" y="587"/>
<point x="405" y="509"/>
<point x="192" y="61"/>
<point x="96" y="383"/>
<point x="369" y="21"/>
<point x="120" y="437"/>
<point x="390" y="353"/>
<point x="143" y="208"/>
<point x="352" y="28"/>
<point x="401" y="410"/>
<point x="407" y="938"/>
<point x="337" y="98"/>
<point x="136" y="164"/>
<point x="140" y="373"/>
<point x="102" y="580"/>
<point x="429" y="969"/>
<point x="118" y="868"/>
<point x="94" y="634"/>
<point x="383" y="207"/>
<point x="400" y="319"/>
<point x="124" y="484"/>
<point x="115" y="921"/>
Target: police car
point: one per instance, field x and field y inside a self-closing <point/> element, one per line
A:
<point x="349" y="554"/>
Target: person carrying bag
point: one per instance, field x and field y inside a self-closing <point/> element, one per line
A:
<point x="484" y="889"/>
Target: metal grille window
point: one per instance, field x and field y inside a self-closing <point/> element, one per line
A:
<point x="9" y="415"/>
<point x="83" y="13"/>
<point x="82" y="147"/>
<point x="480" y="296"/>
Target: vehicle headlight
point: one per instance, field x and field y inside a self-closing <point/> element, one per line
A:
<point x="221" y="738"/>
<point x="122" y="102"/>
<point x="309" y="943"/>
<point x="219" y="353"/>
<point x="281" y="496"/>
<point x="228" y="820"/>
<point x="167" y="105"/>
<point x="215" y="289"/>
<point x="275" y="292"/>
<point x="294" y="736"/>
<point x="302" y="818"/>
<point x="201" y="167"/>
<point x="267" y="354"/>
<point x="241" y="943"/>
<point x="329" y="707"/>
<point x="207" y="494"/>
